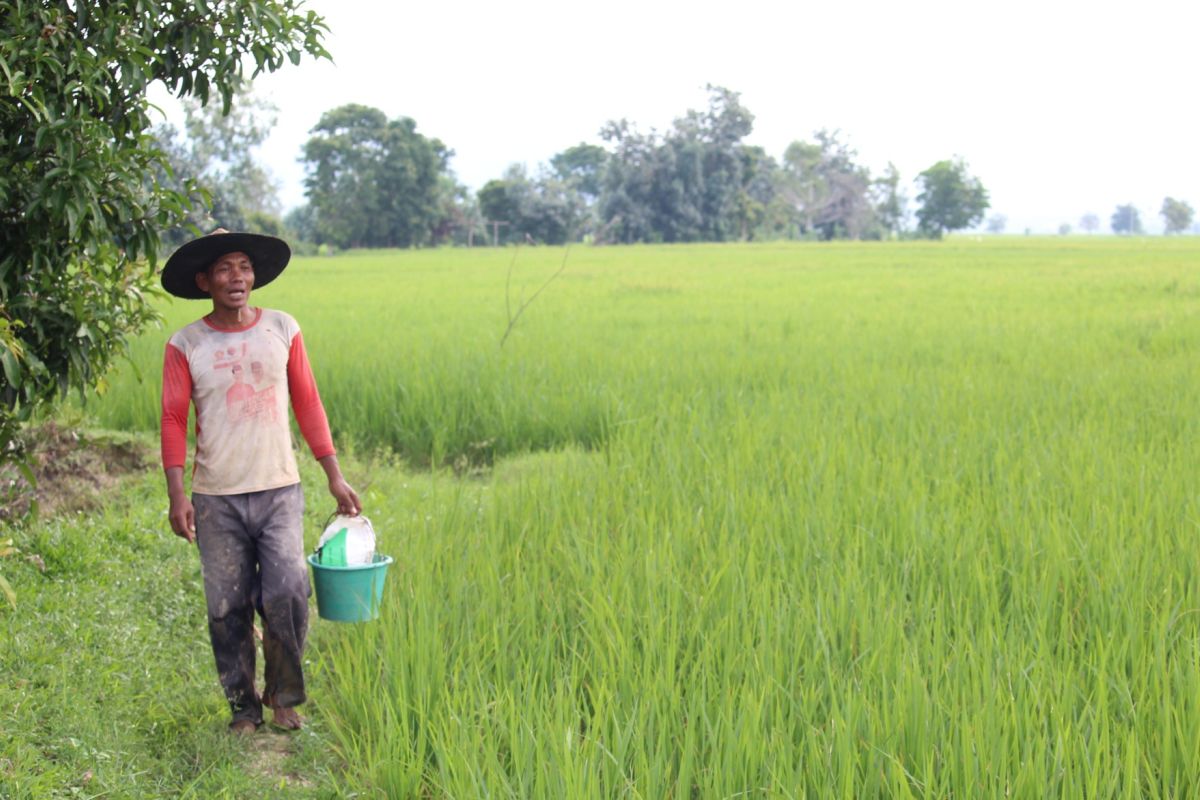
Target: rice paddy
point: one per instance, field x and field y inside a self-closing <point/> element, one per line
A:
<point x="848" y="520"/>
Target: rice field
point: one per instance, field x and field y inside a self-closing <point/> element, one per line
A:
<point x="848" y="520"/>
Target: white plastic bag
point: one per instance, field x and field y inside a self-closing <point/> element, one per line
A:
<point x="347" y="541"/>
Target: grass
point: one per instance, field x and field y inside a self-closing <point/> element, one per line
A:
<point x="107" y="687"/>
<point x="905" y="520"/>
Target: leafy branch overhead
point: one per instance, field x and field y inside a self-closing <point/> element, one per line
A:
<point x="79" y="221"/>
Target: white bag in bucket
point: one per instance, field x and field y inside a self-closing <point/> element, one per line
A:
<point x="347" y="541"/>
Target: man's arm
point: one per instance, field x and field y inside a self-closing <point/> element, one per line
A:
<point x="176" y="399"/>
<point x="314" y="425"/>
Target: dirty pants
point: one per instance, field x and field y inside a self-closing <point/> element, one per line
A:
<point x="252" y="556"/>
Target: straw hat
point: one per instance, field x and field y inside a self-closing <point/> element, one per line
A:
<point x="268" y="254"/>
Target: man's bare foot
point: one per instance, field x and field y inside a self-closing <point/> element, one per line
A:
<point x="242" y="727"/>
<point x="286" y="718"/>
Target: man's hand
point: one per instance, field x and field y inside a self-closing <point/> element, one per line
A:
<point x="347" y="500"/>
<point x="183" y="518"/>
<point x="181" y="515"/>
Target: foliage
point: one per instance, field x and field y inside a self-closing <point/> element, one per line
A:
<point x="829" y="191"/>
<point x="1177" y="215"/>
<point x="216" y="151"/>
<point x="108" y="687"/>
<point x="79" y="225"/>
<point x="997" y="223"/>
<point x="1089" y="222"/>
<point x="374" y="182"/>
<point x="1126" y="220"/>
<point x="890" y="203"/>
<point x="458" y="219"/>
<point x="582" y="167"/>
<point x="951" y="199"/>
<point x="698" y="182"/>
<point x="545" y="210"/>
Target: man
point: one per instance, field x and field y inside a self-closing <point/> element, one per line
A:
<point x="246" y="509"/>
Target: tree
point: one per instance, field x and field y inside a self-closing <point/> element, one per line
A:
<point x="545" y="210"/>
<point x="698" y="182"/>
<point x="582" y="166"/>
<point x="217" y="153"/>
<point x="996" y="223"/>
<point x="581" y="170"/>
<point x="300" y="224"/>
<point x="224" y="145"/>
<point x="1089" y="222"/>
<point x="79" y="223"/>
<point x="373" y="182"/>
<point x="891" y="203"/>
<point x="1064" y="229"/>
<point x="1177" y="215"/>
<point x="830" y="192"/>
<point x="1125" y="220"/>
<point x="950" y="198"/>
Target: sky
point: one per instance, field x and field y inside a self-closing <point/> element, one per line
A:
<point x="1061" y="108"/>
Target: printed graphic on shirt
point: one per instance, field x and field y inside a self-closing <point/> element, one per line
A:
<point x="249" y="397"/>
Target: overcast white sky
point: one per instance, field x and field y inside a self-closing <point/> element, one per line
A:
<point x="1061" y="108"/>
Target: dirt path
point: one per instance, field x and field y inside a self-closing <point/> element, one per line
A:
<point x="269" y="752"/>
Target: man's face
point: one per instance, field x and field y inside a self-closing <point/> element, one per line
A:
<point x="228" y="281"/>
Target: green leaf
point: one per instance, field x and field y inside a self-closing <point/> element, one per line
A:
<point x="12" y="369"/>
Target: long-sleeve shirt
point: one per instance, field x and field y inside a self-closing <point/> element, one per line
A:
<point x="240" y="381"/>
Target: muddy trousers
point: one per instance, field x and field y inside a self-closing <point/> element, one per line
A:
<point x="252" y="556"/>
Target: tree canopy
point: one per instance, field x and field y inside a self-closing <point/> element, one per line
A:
<point x="1177" y="215"/>
<point x="374" y="182"/>
<point x="695" y="183"/>
<point x="1126" y="220"/>
<point x="79" y="221"/>
<point x="547" y="210"/>
<point x="951" y="199"/>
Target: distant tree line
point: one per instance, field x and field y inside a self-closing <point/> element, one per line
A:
<point x="379" y="182"/>
<point x="700" y="181"/>
<point x="1178" y="217"/>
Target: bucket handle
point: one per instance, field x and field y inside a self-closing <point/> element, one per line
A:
<point x="329" y="519"/>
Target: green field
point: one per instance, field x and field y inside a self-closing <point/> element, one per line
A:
<point x="795" y="520"/>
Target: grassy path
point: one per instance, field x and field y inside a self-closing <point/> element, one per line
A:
<point x="107" y="686"/>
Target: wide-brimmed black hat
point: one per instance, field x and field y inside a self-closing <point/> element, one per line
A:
<point x="268" y="254"/>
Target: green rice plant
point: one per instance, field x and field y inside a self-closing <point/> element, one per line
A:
<point x="845" y="520"/>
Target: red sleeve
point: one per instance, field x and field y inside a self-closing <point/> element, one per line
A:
<point x="306" y="403"/>
<point x="176" y="399"/>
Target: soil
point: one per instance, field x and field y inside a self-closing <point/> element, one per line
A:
<point x="73" y="470"/>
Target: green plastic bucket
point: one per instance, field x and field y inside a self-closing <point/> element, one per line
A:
<point x="351" y="593"/>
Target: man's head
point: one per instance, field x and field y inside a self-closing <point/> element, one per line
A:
<point x="192" y="271"/>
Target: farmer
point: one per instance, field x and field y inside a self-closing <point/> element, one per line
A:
<point x="241" y="366"/>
